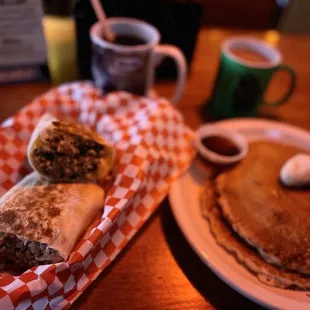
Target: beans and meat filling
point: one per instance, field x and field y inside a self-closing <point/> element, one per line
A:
<point x="26" y="253"/>
<point x="63" y="153"/>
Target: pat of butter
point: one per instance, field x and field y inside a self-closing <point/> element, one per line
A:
<point x="296" y="171"/>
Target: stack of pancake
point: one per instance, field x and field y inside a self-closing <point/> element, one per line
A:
<point x="263" y="224"/>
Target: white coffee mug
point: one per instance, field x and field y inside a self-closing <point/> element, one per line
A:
<point x="117" y="66"/>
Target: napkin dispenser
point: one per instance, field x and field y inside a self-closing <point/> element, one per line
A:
<point x="23" y="52"/>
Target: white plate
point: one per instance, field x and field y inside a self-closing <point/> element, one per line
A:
<point x="184" y="199"/>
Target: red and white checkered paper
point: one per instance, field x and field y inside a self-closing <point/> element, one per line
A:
<point x="154" y="147"/>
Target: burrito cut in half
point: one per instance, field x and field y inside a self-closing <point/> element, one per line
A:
<point x="41" y="223"/>
<point x="63" y="151"/>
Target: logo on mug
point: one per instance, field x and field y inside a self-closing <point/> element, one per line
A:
<point x="126" y="65"/>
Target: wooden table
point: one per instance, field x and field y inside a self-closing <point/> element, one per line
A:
<point x="158" y="269"/>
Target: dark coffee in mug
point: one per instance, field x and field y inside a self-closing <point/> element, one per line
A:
<point x="128" y="40"/>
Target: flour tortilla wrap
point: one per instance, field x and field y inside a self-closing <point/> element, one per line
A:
<point x="41" y="223"/>
<point x="63" y="151"/>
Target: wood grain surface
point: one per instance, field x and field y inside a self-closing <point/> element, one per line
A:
<point x="158" y="269"/>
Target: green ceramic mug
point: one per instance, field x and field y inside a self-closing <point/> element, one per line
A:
<point x="246" y="67"/>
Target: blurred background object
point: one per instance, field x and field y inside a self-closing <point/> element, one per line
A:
<point x="59" y="29"/>
<point x="179" y="22"/>
<point x="58" y="7"/>
<point x="60" y="38"/>
<point x="23" y="52"/>
<point x="296" y="18"/>
<point x="246" y="14"/>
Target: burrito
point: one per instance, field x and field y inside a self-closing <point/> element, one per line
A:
<point x="41" y="223"/>
<point x="63" y="151"/>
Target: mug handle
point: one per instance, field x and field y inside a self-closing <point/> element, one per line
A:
<point x="289" y="92"/>
<point x="165" y="50"/>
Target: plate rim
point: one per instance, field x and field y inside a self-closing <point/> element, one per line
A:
<point x="256" y="297"/>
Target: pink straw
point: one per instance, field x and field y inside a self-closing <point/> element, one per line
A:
<point x="101" y="16"/>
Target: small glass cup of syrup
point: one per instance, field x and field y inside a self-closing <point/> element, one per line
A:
<point x="219" y="145"/>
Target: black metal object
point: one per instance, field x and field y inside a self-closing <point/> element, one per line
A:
<point x="57" y="7"/>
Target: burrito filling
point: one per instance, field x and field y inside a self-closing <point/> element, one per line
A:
<point x="67" y="155"/>
<point x="26" y="253"/>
